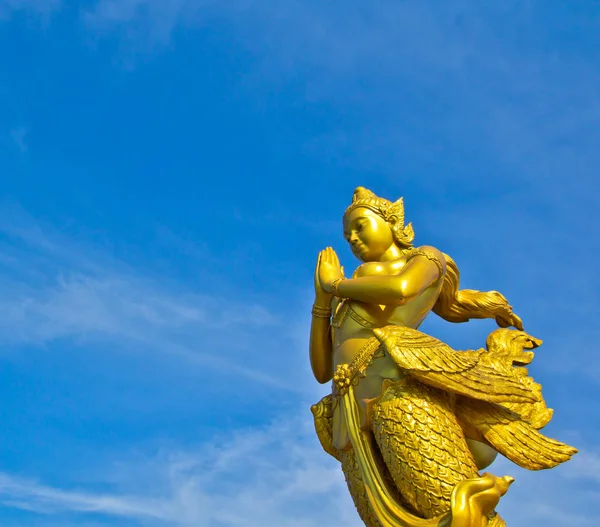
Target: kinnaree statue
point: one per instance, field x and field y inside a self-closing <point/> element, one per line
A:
<point x="411" y="420"/>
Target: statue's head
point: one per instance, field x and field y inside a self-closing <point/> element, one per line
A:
<point x="373" y="224"/>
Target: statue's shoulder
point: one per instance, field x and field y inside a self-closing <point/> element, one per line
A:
<point x="429" y="252"/>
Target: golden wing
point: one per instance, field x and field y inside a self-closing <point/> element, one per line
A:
<point x="434" y="363"/>
<point x="511" y="436"/>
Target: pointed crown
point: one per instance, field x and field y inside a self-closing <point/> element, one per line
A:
<point x="392" y="213"/>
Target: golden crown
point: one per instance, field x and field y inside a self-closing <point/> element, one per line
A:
<point x="392" y="213"/>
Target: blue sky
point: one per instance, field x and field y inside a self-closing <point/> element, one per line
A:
<point x="169" y="170"/>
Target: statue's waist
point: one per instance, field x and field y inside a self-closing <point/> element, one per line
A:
<point x="362" y="362"/>
<point x="346" y="311"/>
<point x="350" y="319"/>
<point x="366" y="371"/>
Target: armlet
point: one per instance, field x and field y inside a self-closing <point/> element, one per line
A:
<point x="430" y="255"/>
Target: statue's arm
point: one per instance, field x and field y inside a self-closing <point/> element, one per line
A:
<point x="419" y="273"/>
<point x="321" y="352"/>
<point x="320" y="347"/>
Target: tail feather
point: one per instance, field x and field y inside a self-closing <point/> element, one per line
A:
<point x="513" y="437"/>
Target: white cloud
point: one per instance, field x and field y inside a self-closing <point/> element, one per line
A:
<point x="251" y="477"/>
<point x="55" y="289"/>
<point x="563" y="496"/>
<point x="276" y="475"/>
<point x="524" y="107"/>
<point x="79" y="304"/>
<point x="32" y="496"/>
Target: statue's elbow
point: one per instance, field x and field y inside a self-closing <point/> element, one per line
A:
<point x="406" y="290"/>
<point x="321" y="372"/>
<point x="322" y="377"/>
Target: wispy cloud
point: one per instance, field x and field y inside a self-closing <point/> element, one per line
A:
<point x="80" y="305"/>
<point x="562" y="496"/>
<point x="32" y="496"/>
<point x="275" y="475"/>
<point x="507" y="108"/>
<point x="55" y="289"/>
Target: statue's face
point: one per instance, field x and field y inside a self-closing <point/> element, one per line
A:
<point x="368" y="234"/>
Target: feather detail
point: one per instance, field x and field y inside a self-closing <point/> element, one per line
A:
<point x="511" y="436"/>
<point x="434" y="363"/>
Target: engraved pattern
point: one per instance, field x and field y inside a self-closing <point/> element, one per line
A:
<point x="341" y="312"/>
<point x="422" y="444"/>
<point x="346" y="374"/>
<point x="361" y="321"/>
<point x="430" y="255"/>
<point x="393" y="213"/>
<point x="496" y="521"/>
<point x="506" y="352"/>
<point x="323" y="417"/>
<point x="420" y="429"/>
<point x="346" y="311"/>
<point x="321" y="312"/>
<point x="437" y="364"/>
<point x="409" y="463"/>
<point x="357" y="488"/>
<point x="511" y="436"/>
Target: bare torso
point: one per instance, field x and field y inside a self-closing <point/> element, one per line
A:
<point x="349" y="333"/>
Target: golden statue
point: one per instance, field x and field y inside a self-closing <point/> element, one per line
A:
<point x="411" y="420"/>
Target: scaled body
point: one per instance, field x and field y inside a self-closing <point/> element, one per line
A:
<point x="411" y="420"/>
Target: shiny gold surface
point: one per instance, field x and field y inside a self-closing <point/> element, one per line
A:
<point x="411" y="420"/>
